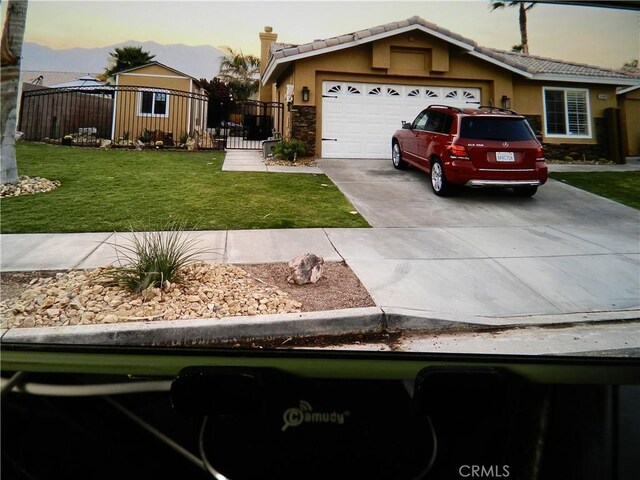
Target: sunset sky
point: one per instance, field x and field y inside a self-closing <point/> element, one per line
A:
<point x="598" y="36"/>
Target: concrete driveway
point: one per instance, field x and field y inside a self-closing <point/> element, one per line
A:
<point x="487" y="253"/>
<point x="387" y="197"/>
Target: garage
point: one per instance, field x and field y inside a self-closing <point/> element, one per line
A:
<point x="358" y="119"/>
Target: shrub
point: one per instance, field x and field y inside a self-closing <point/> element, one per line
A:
<point x="145" y="136"/>
<point x="290" y="149"/>
<point x="153" y="258"/>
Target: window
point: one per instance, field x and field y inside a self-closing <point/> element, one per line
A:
<point x="421" y="121"/>
<point x="567" y="112"/>
<point x="498" y="129"/>
<point x="153" y="103"/>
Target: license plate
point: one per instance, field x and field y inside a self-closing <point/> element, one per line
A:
<point x="505" y="157"/>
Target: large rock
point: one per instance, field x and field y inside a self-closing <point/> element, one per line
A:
<point x="306" y="268"/>
<point x="106" y="145"/>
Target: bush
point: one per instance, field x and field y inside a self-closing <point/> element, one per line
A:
<point x="145" y="136"/>
<point x="153" y="258"/>
<point x="290" y="149"/>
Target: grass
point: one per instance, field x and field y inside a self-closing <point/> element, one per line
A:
<point x="622" y="187"/>
<point x="113" y="190"/>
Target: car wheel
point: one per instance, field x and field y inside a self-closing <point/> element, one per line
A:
<point x="439" y="182"/>
<point x="528" y="191"/>
<point x="396" y="157"/>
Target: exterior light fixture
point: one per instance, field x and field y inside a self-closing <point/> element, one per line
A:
<point x="305" y="94"/>
<point x="506" y="102"/>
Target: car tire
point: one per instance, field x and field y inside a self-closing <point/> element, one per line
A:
<point x="396" y="157"/>
<point x="439" y="182"/>
<point x="525" y="192"/>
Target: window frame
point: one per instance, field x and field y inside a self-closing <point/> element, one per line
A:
<point x="153" y="103"/>
<point x="568" y="134"/>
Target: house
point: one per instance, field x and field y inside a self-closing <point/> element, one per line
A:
<point x="347" y="95"/>
<point x="155" y="102"/>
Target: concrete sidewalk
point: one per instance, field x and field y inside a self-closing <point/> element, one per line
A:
<point x="464" y="275"/>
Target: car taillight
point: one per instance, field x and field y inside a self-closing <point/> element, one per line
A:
<point x="540" y="154"/>
<point x="458" y="150"/>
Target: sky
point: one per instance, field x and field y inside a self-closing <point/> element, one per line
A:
<point x="596" y="36"/>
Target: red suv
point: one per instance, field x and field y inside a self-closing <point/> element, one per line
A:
<point x="483" y="147"/>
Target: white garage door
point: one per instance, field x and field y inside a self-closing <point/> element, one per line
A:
<point x="359" y="119"/>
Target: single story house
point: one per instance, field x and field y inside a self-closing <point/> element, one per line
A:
<point x="348" y="94"/>
<point x="159" y="101"/>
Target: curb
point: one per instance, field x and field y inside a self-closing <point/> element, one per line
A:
<point x="203" y="332"/>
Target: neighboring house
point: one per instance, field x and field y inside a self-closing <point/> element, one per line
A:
<point x="348" y="94"/>
<point x="629" y="103"/>
<point x="157" y="101"/>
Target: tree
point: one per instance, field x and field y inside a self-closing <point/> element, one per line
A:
<point x="219" y="100"/>
<point x="524" y="7"/>
<point x="632" y="64"/>
<point x="241" y="73"/>
<point x="125" y="58"/>
<point x="11" y="52"/>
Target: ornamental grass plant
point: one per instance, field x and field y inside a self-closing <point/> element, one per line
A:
<point x="153" y="259"/>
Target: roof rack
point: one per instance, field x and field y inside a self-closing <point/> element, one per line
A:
<point x="491" y="108"/>
<point x="446" y="106"/>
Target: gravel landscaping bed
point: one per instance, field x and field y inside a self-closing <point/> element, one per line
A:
<point x="80" y="297"/>
<point x="300" y="162"/>
<point x="28" y="186"/>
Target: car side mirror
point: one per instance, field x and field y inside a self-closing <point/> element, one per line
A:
<point x="406" y="126"/>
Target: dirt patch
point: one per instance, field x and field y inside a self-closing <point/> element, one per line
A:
<point x="338" y="288"/>
<point x="46" y="298"/>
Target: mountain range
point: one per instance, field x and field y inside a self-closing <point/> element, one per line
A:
<point x="200" y="62"/>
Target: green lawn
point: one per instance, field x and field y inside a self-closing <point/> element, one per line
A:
<point x="623" y="187"/>
<point x="115" y="190"/>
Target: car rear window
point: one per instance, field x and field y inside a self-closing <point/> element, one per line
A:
<point x="492" y="128"/>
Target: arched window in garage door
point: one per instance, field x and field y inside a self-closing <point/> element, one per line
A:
<point x="460" y="95"/>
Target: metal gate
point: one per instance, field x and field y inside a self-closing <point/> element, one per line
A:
<point x="246" y="124"/>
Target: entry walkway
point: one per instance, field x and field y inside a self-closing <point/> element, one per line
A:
<point x="252" y="161"/>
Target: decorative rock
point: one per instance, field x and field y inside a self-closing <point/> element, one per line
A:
<point x="28" y="186"/>
<point x="105" y="145"/>
<point x="209" y="291"/>
<point x="139" y="145"/>
<point x="306" y="268"/>
<point x="192" y="144"/>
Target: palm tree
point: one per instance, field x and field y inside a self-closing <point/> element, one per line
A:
<point x="127" y="57"/>
<point x="241" y="73"/>
<point x="11" y="52"/>
<point x="524" y="8"/>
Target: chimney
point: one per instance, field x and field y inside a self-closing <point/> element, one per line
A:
<point x="266" y="39"/>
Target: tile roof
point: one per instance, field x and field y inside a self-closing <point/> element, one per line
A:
<point x="549" y="66"/>
<point x="527" y="65"/>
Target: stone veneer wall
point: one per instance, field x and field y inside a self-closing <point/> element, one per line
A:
<point x="575" y="151"/>
<point x="303" y="126"/>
